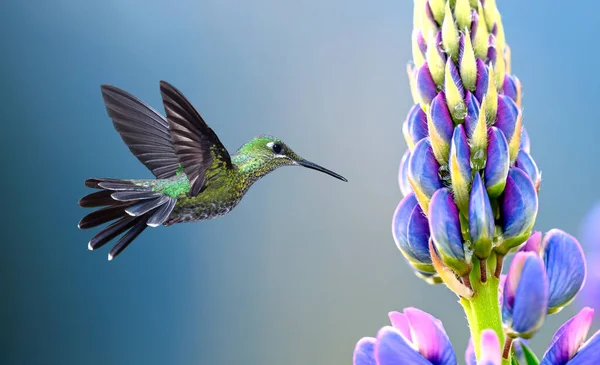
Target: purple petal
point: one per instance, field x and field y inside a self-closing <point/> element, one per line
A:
<point x="588" y="354"/>
<point x="531" y="297"/>
<point x="519" y="205"/>
<point x="481" y="219"/>
<point x="441" y="121"/>
<point x="426" y="87"/>
<point x="416" y="123"/>
<point x="526" y="163"/>
<point x="565" y="266"/>
<point x="432" y="340"/>
<point x="568" y="339"/>
<point x="507" y="116"/>
<point x="400" y="322"/>
<point x="482" y="80"/>
<point x="525" y="143"/>
<point x="392" y="348"/>
<point x="498" y="162"/>
<point x="405" y="187"/>
<point x="364" y="352"/>
<point x="400" y="224"/>
<point x="423" y="172"/>
<point x="418" y="235"/>
<point x="511" y="284"/>
<point x="534" y="243"/>
<point x="510" y="87"/>
<point x="470" y="357"/>
<point x="472" y="117"/>
<point x="444" y="224"/>
<point x="490" y="348"/>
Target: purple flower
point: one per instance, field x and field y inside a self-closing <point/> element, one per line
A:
<point x="415" y="337"/>
<point x="410" y="229"/>
<point x="415" y="126"/>
<point x="526" y="163"/>
<point x="423" y="174"/>
<point x="525" y="302"/>
<point x="565" y="267"/>
<point x="519" y="205"/>
<point x="481" y="219"/>
<point x="444" y="225"/>
<point x="567" y="346"/>
<point x="426" y="88"/>
<point x="498" y="162"/>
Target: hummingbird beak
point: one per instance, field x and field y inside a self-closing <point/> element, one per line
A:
<point x="314" y="166"/>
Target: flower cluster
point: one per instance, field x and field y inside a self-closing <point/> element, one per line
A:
<point x="470" y="189"/>
<point x="469" y="181"/>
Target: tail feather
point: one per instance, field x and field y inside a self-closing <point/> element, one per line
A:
<point x="103" y="215"/>
<point x="133" y="206"/>
<point x="112" y="231"/>
<point x="98" y="199"/>
<point x="127" y="238"/>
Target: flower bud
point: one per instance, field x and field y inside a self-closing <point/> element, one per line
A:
<point x="479" y="140"/>
<point x="518" y="207"/>
<point x="479" y="33"/>
<point x="482" y="82"/>
<point x="440" y="127"/>
<point x="512" y="88"/>
<point x="509" y="122"/>
<point x="460" y="168"/>
<point x="472" y="116"/>
<point x="565" y="267"/>
<point x="444" y="225"/>
<point x="415" y="126"/>
<point x="525" y="295"/>
<point x="405" y="187"/>
<point x="436" y="59"/>
<point x="498" y="162"/>
<point x="450" y="33"/>
<point x="526" y="163"/>
<point x="455" y="92"/>
<point x="418" y="47"/>
<point x="481" y="219"/>
<point x="426" y="88"/>
<point x="406" y="234"/>
<point x="437" y="9"/>
<point x="496" y="59"/>
<point x="466" y="61"/>
<point x="423" y="173"/>
<point x="462" y="12"/>
<point x="568" y="342"/>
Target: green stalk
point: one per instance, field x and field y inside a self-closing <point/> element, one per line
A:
<point x="483" y="309"/>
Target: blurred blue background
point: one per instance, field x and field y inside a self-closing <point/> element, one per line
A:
<point x="306" y="265"/>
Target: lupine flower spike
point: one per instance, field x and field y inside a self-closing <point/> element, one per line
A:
<point x="470" y="185"/>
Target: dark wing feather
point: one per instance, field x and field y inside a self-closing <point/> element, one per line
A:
<point x="143" y="129"/>
<point x="195" y="143"/>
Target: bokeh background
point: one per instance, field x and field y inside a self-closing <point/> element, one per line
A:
<point x="305" y="265"/>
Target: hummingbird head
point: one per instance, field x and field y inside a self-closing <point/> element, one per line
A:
<point x="264" y="154"/>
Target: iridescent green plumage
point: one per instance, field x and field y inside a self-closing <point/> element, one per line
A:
<point x="196" y="179"/>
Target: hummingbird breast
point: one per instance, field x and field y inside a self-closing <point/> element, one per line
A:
<point x="218" y="198"/>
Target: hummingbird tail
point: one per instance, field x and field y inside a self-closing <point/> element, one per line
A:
<point x="133" y="207"/>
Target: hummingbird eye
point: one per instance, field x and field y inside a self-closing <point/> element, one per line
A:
<point x="276" y="147"/>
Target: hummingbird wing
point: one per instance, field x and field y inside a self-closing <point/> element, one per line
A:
<point x="197" y="146"/>
<point x="143" y="129"/>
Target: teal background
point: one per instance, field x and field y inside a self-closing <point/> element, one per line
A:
<point x="305" y="265"/>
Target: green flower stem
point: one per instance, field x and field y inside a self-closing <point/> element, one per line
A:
<point x="483" y="309"/>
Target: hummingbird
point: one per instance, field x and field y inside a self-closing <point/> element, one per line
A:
<point x="195" y="177"/>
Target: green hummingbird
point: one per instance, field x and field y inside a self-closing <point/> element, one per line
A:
<point x="196" y="178"/>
